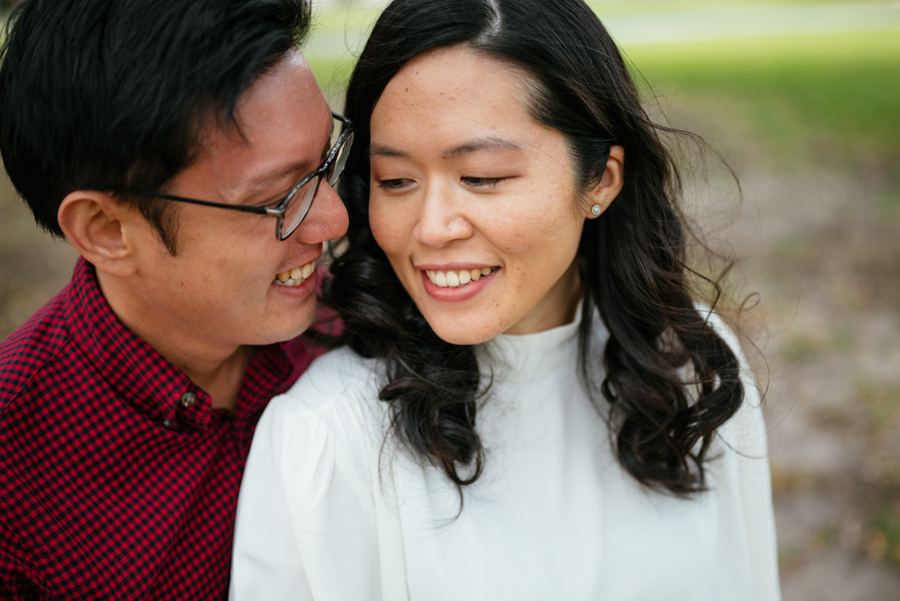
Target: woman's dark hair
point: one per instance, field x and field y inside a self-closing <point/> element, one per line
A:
<point x="633" y="257"/>
<point x="96" y="94"/>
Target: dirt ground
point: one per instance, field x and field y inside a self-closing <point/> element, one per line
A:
<point x="819" y="238"/>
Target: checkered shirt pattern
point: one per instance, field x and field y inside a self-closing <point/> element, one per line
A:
<point x="115" y="483"/>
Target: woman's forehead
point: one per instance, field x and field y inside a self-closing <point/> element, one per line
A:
<point x="466" y="99"/>
<point x="448" y="76"/>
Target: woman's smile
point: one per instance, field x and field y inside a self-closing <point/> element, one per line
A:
<point x="451" y="278"/>
<point x="457" y="284"/>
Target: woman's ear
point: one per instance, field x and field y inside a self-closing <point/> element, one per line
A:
<point x="98" y="227"/>
<point x="602" y="195"/>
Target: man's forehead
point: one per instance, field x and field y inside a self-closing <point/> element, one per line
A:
<point x="280" y="126"/>
<point x="288" y="91"/>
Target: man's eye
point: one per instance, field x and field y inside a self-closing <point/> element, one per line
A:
<point x="482" y="182"/>
<point x="274" y="202"/>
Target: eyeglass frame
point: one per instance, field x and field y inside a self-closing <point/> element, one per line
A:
<point x="278" y="211"/>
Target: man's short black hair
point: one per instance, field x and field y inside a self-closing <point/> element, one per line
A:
<point x="102" y="93"/>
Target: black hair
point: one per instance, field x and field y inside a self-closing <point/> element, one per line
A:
<point x="100" y="94"/>
<point x="633" y="258"/>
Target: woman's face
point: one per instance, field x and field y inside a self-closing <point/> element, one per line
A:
<point x="473" y="201"/>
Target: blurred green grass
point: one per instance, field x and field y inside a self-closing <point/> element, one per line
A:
<point x="619" y="7"/>
<point x="843" y="86"/>
<point x="357" y="16"/>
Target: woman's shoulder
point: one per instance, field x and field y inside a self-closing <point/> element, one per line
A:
<point x="730" y="338"/>
<point x="722" y="329"/>
<point x="338" y="387"/>
<point x="336" y="371"/>
<point x="330" y="419"/>
<point x="745" y="432"/>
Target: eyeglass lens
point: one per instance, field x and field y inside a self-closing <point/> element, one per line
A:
<point x="300" y="204"/>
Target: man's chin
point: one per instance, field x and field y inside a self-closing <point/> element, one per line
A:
<point x="286" y="328"/>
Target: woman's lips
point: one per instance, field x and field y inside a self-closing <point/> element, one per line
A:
<point x="456" y="285"/>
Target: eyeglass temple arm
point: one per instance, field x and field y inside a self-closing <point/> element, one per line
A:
<point x="206" y="203"/>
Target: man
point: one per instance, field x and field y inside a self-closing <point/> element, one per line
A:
<point x="167" y="140"/>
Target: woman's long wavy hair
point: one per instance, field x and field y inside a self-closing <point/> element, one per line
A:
<point x="633" y="257"/>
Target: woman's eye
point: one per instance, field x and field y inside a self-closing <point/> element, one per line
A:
<point x="394" y="184"/>
<point x="482" y="182"/>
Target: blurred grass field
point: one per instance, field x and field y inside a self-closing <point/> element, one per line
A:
<point x="841" y="88"/>
<point x="811" y="125"/>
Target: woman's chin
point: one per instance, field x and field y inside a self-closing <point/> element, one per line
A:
<point x="461" y="332"/>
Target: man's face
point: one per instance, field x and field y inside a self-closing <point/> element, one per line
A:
<point x="221" y="289"/>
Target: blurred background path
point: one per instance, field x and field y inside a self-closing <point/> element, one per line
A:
<point x="802" y="100"/>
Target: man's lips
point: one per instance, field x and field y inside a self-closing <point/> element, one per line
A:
<point x="296" y="276"/>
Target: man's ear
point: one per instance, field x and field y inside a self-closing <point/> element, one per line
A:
<point x="602" y="195"/>
<point x="99" y="228"/>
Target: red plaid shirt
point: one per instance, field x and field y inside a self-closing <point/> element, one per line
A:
<point x="117" y="478"/>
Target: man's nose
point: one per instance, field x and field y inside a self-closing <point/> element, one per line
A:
<point x="327" y="218"/>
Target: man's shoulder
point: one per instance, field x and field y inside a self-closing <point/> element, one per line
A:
<point x="28" y="351"/>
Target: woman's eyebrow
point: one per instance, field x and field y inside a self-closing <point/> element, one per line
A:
<point x="490" y="143"/>
<point x="379" y="150"/>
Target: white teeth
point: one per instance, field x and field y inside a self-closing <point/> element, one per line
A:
<point x="454" y="279"/>
<point x="295" y="276"/>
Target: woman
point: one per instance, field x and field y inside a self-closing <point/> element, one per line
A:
<point x="529" y="405"/>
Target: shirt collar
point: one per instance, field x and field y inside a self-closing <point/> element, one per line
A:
<point x="145" y="379"/>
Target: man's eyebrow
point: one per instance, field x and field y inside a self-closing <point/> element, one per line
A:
<point x="467" y="148"/>
<point x="304" y="167"/>
<point x="265" y="179"/>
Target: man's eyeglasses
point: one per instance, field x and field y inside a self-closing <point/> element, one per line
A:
<point x="293" y="208"/>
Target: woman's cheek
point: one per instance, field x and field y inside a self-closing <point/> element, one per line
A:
<point x="380" y="224"/>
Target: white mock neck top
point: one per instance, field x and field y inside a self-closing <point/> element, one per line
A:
<point x="330" y="511"/>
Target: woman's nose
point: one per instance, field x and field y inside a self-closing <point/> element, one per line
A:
<point x="442" y="220"/>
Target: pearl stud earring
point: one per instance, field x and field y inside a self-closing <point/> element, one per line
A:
<point x="595" y="210"/>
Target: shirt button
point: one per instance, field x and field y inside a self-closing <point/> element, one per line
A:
<point x="188" y="399"/>
<point x="167" y="423"/>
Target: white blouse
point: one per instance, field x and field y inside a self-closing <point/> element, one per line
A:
<point x="330" y="511"/>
